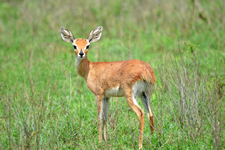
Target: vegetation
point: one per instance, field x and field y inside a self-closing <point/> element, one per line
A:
<point x="46" y="105"/>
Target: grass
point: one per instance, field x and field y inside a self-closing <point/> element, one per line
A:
<point x="46" y="105"/>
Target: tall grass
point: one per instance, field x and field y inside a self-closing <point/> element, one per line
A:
<point x="193" y="99"/>
<point x="46" y="105"/>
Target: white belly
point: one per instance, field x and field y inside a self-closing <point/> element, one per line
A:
<point x="114" y="92"/>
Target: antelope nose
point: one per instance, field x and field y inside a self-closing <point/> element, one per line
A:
<point x="81" y="53"/>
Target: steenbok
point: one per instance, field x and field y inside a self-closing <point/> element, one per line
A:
<point x="127" y="79"/>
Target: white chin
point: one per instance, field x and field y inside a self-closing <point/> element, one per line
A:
<point x="81" y="57"/>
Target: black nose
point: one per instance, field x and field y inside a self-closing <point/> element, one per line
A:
<point x="81" y="53"/>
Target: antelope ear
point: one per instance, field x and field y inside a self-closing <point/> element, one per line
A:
<point x="95" y="34"/>
<point x="67" y="35"/>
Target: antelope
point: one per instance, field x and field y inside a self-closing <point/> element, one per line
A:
<point x="129" y="79"/>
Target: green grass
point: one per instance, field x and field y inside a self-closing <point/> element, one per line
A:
<point x="46" y="105"/>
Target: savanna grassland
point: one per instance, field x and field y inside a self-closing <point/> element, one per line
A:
<point x="46" y="105"/>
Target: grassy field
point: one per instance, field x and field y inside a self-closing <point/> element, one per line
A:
<point x="46" y="105"/>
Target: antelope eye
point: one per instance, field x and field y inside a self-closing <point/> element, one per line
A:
<point x="75" y="47"/>
<point x="87" y="46"/>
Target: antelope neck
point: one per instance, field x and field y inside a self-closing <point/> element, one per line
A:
<point x="82" y="66"/>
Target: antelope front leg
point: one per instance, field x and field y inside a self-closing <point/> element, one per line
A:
<point x="98" y="99"/>
<point x="105" y="106"/>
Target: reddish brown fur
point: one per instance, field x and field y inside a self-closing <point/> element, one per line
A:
<point x="102" y="76"/>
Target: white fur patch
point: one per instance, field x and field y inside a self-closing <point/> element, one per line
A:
<point x="77" y="62"/>
<point x="66" y="31"/>
<point x="135" y="101"/>
<point x="139" y="87"/>
<point x="114" y="92"/>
